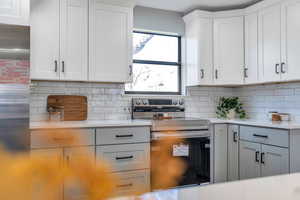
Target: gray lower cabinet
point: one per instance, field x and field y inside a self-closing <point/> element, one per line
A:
<point x="125" y="157"/>
<point x="275" y="160"/>
<point x="53" y="154"/>
<point x="263" y="152"/>
<point x="233" y="152"/>
<point x="126" y="148"/>
<point x="73" y="156"/>
<point x="249" y="163"/>
<point x="219" y="153"/>
<point x="133" y="181"/>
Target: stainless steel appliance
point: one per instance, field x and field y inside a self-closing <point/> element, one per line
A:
<point x="194" y="149"/>
<point x="14" y="87"/>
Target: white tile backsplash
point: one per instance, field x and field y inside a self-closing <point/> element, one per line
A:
<point x="259" y="100"/>
<point x="107" y="101"/>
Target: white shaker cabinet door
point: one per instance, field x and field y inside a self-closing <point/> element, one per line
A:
<point x="14" y="12"/>
<point x="49" y="155"/>
<point x="44" y="44"/>
<point x="290" y="40"/>
<point x="73" y="157"/>
<point x="269" y="43"/>
<point x="229" y="50"/>
<point x="233" y="152"/>
<point x="199" y="44"/>
<point x="251" y="48"/>
<point x="74" y="40"/>
<point x="274" y="161"/>
<point x="110" y="55"/>
<point x="249" y="160"/>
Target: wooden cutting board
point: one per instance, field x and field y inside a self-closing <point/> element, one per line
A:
<point x="74" y="107"/>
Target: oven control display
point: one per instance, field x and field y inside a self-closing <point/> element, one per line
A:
<point x="180" y="150"/>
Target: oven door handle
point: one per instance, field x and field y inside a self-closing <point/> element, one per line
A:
<point x="187" y="134"/>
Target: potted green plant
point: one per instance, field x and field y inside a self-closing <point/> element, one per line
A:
<point x="230" y="108"/>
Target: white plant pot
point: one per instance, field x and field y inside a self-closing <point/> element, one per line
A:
<point x="231" y="114"/>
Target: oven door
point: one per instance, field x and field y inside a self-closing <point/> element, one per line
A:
<point x="194" y="149"/>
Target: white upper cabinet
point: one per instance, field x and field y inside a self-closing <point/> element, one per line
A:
<point x="44" y="42"/>
<point x="14" y="12"/>
<point x="62" y="49"/>
<point x="59" y="39"/>
<point x="229" y="50"/>
<point x="110" y="54"/>
<point x="269" y="43"/>
<point x="74" y="40"/>
<point x="251" y="49"/>
<point x="59" y="48"/>
<point x="199" y="53"/>
<point x="290" y="62"/>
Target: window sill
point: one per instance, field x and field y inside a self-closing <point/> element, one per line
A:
<point x="151" y="95"/>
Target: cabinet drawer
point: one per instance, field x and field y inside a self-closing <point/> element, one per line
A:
<point x="122" y="135"/>
<point x="59" y="138"/>
<point x="125" y="157"/>
<point x="133" y="182"/>
<point x="276" y="137"/>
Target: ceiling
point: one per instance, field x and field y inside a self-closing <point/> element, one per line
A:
<point x="188" y="5"/>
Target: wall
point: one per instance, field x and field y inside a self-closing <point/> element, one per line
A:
<point x="158" y="20"/>
<point x="107" y="101"/>
<point x="259" y="100"/>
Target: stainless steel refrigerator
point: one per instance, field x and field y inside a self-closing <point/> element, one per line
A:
<point x="14" y="87"/>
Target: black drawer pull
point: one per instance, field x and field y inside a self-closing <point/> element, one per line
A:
<point x="257" y="156"/>
<point x="261" y="136"/>
<point x="262" y="158"/>
<point x="124" y="158"/>
<point x="124" y="136"/>
<point x="125" y="185"/>
<point x="235" y="136"/>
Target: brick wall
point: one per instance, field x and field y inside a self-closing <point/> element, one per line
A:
<point x="14" y="71"/>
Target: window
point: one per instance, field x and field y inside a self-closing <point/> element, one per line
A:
<point x="156" y="64"/>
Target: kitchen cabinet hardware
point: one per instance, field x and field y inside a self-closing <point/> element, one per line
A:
<point x="130" y="70"/>
<point x="55" y="66"/>
<point x="235" y="136"/>
<point x="124" y="158"/>
<point x="257" y="156"/>
<point x="63" y="66"/>
<point x="261" y="136"/>
<point x="202" y="73"/>
<point x="124" y="136"/>
<point x="68" y="160"/>
<point x="282" y="68"/>
<point x="276" y="68"/>
<point x="246" y="72"/>
<point x="125" y="185"/>
<point x="262" y="158"/>
<point x="216" y="74"/>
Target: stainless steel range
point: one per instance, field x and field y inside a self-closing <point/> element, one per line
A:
<point x="168" y="120"/>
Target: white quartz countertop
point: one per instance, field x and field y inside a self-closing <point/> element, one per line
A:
<point x="285" y="187"/>
<point x="128" y="123"/>
<point x="268" y="124"/>
<point x="89" y="124"/>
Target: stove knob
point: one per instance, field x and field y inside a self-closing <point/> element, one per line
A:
<point x="181" y="102"/>
<point x="138" y="102"/>
<point x="175" y="102"/>
<point x="145" y="102"/>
